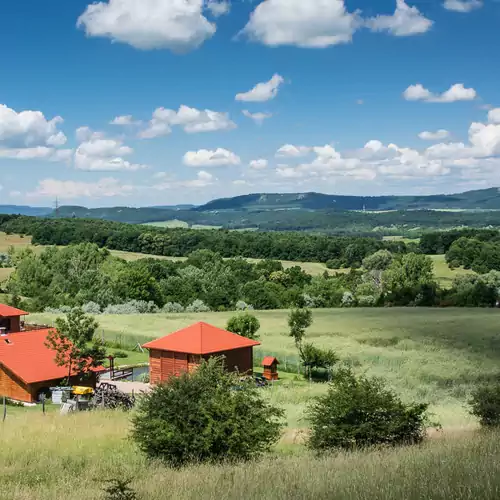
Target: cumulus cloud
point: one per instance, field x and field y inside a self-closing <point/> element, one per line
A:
<point x="176" y="25"/>
<point x="264" y="91"/>
<point x="192" y="120"/>
<point x="202" y="180"/>
<point x="438" y="135"/>
<point x="67" y="190"/>
<point x="311" y="24"/>
<point x="124" y="120"/>
<point x="494" y="116"/>
<point x="462" y="5"/>
<point x="260" y="164"/>
<point x="105" y="155"/>
<point x="29" y="129"/>
<point x="456" y="92"/>
<point x="289" y="150"/>
<point x="219" y="8"/>
<point x="207" y="158"/>
<point x="406" y="21"/>
<point x="258" y="118"/>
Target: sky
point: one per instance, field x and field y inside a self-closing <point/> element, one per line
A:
<point x="163" y="102"/>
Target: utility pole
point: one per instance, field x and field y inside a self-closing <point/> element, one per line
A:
<point x="57" y="207"/>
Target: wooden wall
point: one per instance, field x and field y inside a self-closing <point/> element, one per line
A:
<point x="14" y="388"/>
<point x="165" y="364"/>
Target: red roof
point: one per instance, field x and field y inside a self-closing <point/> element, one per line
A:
<point x="8" y="311"/>
<point x="269" y="360"/>
<point x="201" y="338"/>
<point x="26" y="356"/>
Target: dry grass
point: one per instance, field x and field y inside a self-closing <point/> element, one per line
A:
<point x="70" y="458"/>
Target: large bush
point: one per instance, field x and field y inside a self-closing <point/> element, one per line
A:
<point x="485" y="404"/>
<point x="359" y="411"/>
<point x="244" y="324"/>
<point x="208" y="415"/>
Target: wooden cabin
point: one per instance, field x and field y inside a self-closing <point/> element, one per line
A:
<point x="183" y="351"/>
<point x="10" y="319"/>
<point x="270" y="364"/>
<point x="28" y="368"/>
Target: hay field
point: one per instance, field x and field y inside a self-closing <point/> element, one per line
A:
<point x="432" y="355"/>
<point x="69" y="458"/>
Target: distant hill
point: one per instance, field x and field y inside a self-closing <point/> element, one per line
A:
<point x="484" y="199"/>
<point x="25" y="210"/>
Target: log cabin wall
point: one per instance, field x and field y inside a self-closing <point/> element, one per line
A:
<point x="14" y="388"/>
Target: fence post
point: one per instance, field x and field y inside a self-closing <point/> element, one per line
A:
<point x="4" y="409"/>
<point x="43" y="403"/>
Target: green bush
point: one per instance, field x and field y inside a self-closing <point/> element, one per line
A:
<point x="358" y="411"/>
<point x="485" y="404"/>
<point x="245" y="324"/>
<point x="206" y="416"/>
<point x="120" y="354"/>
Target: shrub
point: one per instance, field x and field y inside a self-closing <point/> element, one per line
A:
<point x="314" y="358"/>
<point x="119" y="489"/>
<point x="334" y="264"/>
<point x="144" y="378"/>
<point x="200" y="417"/>
<point x="359" y="412"/>
<point x="120" y="354"/>
<point x="197" y="306"/>
<point x="485" y="404"/>
<point x="348" y="300"/>
<point x="120" y="309"/>
<point x="91" y="308"/>
<point x="244" y="324"/>
<point x="366" y="301"/>
<point x="172" y="308"/>
<point x="241" y="305"/>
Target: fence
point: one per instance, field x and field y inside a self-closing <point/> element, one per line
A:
<point x="288" y="363"/>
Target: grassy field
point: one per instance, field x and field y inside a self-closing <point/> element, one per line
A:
<point x="432" y="355"/>
<point x="69" y="458"/>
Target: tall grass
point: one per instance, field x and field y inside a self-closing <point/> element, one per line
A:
<point x="69" y="458"/>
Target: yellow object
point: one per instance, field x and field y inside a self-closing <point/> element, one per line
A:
<point x="80" y="391"/>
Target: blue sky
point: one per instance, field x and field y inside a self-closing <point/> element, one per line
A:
<point x="356" y="97"/>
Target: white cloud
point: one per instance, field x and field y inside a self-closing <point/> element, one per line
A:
<point x="462" y="5"/>
<point x="485" y="138"/>
<point x="177" y="25"/>
<point x="29" y="129"/>
<point x="67" y="190"/>
<point x="207" y="158"/>
<point x="37" y="153"/>
<point x="405" y="21"/>
<point x="202" y="180"/>
<point x="258" y="118"/>
<point x="191" y="120"/>
<point x="438" y="135"/>
<point x="309" y="24"/>
<point x="105" y="155"/>
<point x="219" y="8"/>
<point x="494" y="116"/>
<point x="124" y="120"/>
<point x="264" y="91"/>
<point x="260" y="164"/>
<point x="288" y="172"/>
<point x="456" y="92"/>
<point x="289" y="150"/>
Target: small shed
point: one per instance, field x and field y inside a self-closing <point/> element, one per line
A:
<point x="183" y="350"/>
<point x="270" y="364"/>
<point x="28" y="367"/>
<point x="10" y="319"/>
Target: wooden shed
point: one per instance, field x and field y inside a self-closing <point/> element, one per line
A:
<point x="270" y="364"/>
<point x="27" y="367"/>
<point x="183" y="351"/>
<point x="10" y="319"/>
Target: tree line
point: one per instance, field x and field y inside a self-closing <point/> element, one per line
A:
<point x="87" y="276"/>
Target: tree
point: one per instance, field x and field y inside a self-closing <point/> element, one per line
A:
<point x="245" y="324"/>
<point x="299" y="320"/>
<point x="75" y="343"/>
<point x="315" y="358"/>
<point x="379" y="261"/>
<point x="205" y="416"/>
<point x="359" y="411"/>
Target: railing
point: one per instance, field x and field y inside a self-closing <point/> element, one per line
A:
<point x="30" y="327"/>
